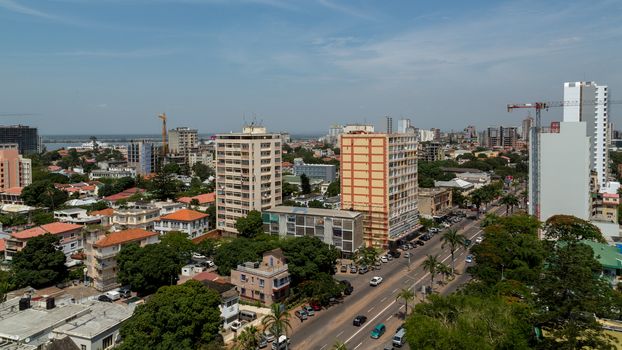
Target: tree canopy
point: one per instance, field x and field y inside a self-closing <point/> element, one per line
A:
<point x="251" y="225"/>
<point x="148" y="268"/>
<point x="43" y="194"/>
<point x="40" y="263"/>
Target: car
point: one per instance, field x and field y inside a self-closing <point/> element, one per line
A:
<point x="434" y="230"/>
<point x="344" y="268"/>
<point x="420" y="242"/>
<point x="236" y="325"/>
<point x="349" y="289"/>
<point x="281" y="343"/>
<point x="389" y="257"/>
<point x="384" y="259"/>
<point x="263" y="342"/>
<point x="359" y="320"/>
<point x="469" y="259"/>
<point x="353" y="269"/>
<point x="209" y="263"/>
<point x="363" y="270"/>
<point x="445" y="225"/>
<point x="198" y="256"/>
<point x="268" y="336"/>
<point x="425" y="237"/>
<point x="125" y="292"/>
<point x="479" y="240"/>
<point x="378" y="331"/>
<point x="309" y="310"/>
<point x="104" y="298"/>
<point x="400" y="327"/>
<point x="301" y="314"/>
<point x="467" y="242"/>
<point x="378" y="263"/>
<point x="395" y="254"/>
<point x="407" y="255"/>
<point x="315" y="305"/>
<point x="376" y="280"/>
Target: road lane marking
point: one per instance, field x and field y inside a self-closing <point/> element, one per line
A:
<point x="383" y="299"/>
<point x="338" y="335"/>
<point x="325" y="345"/>
<point x="395" y="290"/>
<point x="368" y="323"/>
<point x="388" y="318"/>
<point x="371" y="309"/>
<point x="356" y="347"/>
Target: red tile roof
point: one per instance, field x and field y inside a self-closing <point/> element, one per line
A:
<point x="103" y="212"/>
<point x="14" y="191"/>
<point x="2" y="244"/>
<point x="124" y="195"/>
<point x="206" y="276"/>
<point x="184" y="215"/>
<point x="53" y="228"/>
<point x="202" y="198"/>
<point x="125" y="236"/>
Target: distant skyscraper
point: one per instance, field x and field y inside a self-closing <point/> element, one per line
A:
<point x="389" y="125"/>
<point x="182" y="140"/>
<point x="143" y="156"/>
<point x="437" y="134"/>
<point x="591" y="108"/>
<point x="509" y="135"/>
<point x="470" y="132"/>
<point x="403" y="126"/>
<point x="526" y="128"/>
<point x="26" y="138"/>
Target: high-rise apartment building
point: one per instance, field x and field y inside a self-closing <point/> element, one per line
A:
<point x="403" y="126"/>
<point x="431" y="151"/>
<point x="509" y="136"/>
<point x="379" y="179"/>
<point x="470" y="132"/>
<point x="526" y="128"/>
<point x="589" y="104"/>
<point x="25" y="137"/>
<point x="182" y="140"/>
<point x="144" y="156"/>
<point x="15" y="170"/>
<point x="248" y="174"/>
<point x="389" y="125"/>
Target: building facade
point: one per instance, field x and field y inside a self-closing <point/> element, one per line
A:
<point x="430" y="151"/>
<point x="191" y="222"/>
<point x="248" y="174"/>
<point x="25" y="137"/>
<point x="266" y="281"/>
<point x="182" y="140"/>
<point x="139" y="215"/>
<point x="326" y="172"/>
<point x="143" y="156"/>
<point x="338" y="228"/>
<point x="70" y="235"/>
<point x="15" y="170"/>
<point x="435" y="202"/>
<point x="588" y="102"/>
<point x="526" y="128"/>
<point x="379" y="179"/>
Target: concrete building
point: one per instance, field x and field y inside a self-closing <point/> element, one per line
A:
<point x="526" y="128"/>
<point x="478" y="179"/>
<point x="12" y="195"/>
<point x="143" y="156"/>
<point x="71" y="240"/>
<point x="338" y="228"/>
<point x="26" y="137"/>
<point x="425" y="135"/>
<point x="564" y="177"/>
<point x="204" y="201"/>
<point x="435" y="202"/>
<point x="590" y="105"/>
<point x="248" y="174"/>
<point x="229" y="300"/>
<point x="15" y="170"/>
<point x="326" y="172"/>
<point x="190" y="222"/>
<point x="389" y="125"/>
<point x="509" y="136"/>
<point x="404" y="126"/>
<point x="266" y="281"/>
<point x="138" y="215"/>
<point x="112" y="173"/>
<point x="76" y="216"/>
<point x="379" y="179"/>
<point x="182" y="140"/>
<point x="605" y="207"/>
<point x="430" y="151"/>
<point x="101" y="254"/>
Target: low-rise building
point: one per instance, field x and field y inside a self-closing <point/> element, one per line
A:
<point x="124" y="194"/>
<point x="12" y="195"/>
<point x="435" y="202"/>
<point x="101" y="254"/>
<point x="229" y="300"/>
<point x="71" y="240"/>
<point x="464" y="186"/>
<point x="266" y="281"/>
<point x="605" y="207"/>
<point x="105" y="216"/>
<point x="191" y="222"/>
<point x="112" y="173"/>
<point x="168" y="207"/>
<point x="204" y="200"/>
<point x="326" y="172"/>
<point x="478" y="179"/>
<point x="138" y="215"/>
<point x="339" y="228"/>
<point x="76" y="216"/>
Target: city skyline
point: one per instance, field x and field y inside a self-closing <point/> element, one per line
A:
<point x="297" y="66"/>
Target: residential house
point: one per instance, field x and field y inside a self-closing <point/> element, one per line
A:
<point x="76" y="216"/>
<point x="229" y="300"/>
<point x="168" y="207"/>
<point x="124" y="194"/>
<point x="101" y="254"/>
<point x="435" y="202"/>
<point x="71" y="240"/>
<point x="266" y="281"/>
<point x="138" y="215"/>
<point x="105" y="216"/>
<point x="12" y="195"/>
<point x="192" y="223"/>
<point x="205" y="200"/>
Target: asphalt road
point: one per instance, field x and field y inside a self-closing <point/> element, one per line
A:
<point x="379" y="303"/>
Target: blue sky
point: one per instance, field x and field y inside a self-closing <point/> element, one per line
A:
<point x="110" y="66"/>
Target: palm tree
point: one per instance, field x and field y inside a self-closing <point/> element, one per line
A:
<point x="248" y="338"/>
<point x="339" y="345"/>
<point x="510" y="201"/>
<point x="277" y="321"/>
<point x="455" y="241"/>
<point x="445" y="270"/>
<point x="431" y="265"/>
<point x="406" y="295"/>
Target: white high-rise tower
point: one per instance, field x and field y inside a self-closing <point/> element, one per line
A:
<point x="592" y="108"/>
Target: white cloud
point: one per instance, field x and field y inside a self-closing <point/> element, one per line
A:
<point x="13" y="6"/>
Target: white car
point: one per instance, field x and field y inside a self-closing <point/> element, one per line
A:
<point x="375" y="281"/>
<point x="384" y="259"/>
<point x="198" y="256"/>
<point x="236" y="325"/>
<point x="479" y="239"/>
<point x="469" y="259"/>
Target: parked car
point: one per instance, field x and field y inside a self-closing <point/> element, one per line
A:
<point x="363" y="270"/>
<point x="376" y="280"/>
<point x="378" y="331"/>
<point x="399" y="338"/>
<point x="407" y="255"/>
<point x="301" y="314"/>
<point x="425" y="237"/>
<point x="384" y="259"/>
<point x="268" y="336"/>
<point x="104" y="298"/>
<point x="281" y="343"/>
<point x="389" y="257"/>
<point x="309" y="310"/>
<point x="479" y="239"/>
<point x="377" y="263"/>
<point x="469" y="259"/>
<point x="353" y="269"/>
<point x="125" y="292"/>
<point x="395" y="254"/>
<point x="315" y="305"/>
<point x="344" y="268"/>
<point x="420" y="242"/>
<point x="359" y="320"/>
<point x="263" y="342"/>
<point x="467" y="242"/>
<point x="349" y="289"/>
<point x="198" y="256"/>
<point x="236" y="325"/>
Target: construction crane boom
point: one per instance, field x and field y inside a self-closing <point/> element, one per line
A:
<point x="534" y="133"/>
<point x="164" y="144"/>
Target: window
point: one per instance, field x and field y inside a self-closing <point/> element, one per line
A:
<point x="243" y="277"/>
<point x="82" y="347"/>
<point x="261" y="282"/>
<point x="107" y="342"/>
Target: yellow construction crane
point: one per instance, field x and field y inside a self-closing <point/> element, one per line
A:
<point x="164" y="144"/>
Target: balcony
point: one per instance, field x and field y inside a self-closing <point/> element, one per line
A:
<point x="263" y="270"/>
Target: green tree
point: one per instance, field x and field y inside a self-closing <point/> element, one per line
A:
<point x="339" y="345"/>
<point x="571" y="229"/>
<point x="248" y="338"/>
<point x="179" y="242"/>
<point x="427" y="223"/>
<point x="207" y="247"/>
<point x="147" y="268"/>
<point x="367" y="255"/>
<point x="278" y="321"/>
<point x="334" y="188"/>
<point x="305" y="185"/>
<point x="251" y="225"/>
<point x="171" y="168"/>
<point x="288" y="189"/>
<point x="43" y="194"/>
<point x="407" y="295"/>
<point x="307" y="257"/>
<point x="176" y="317"/>
<point x="320" y="288"/>
<point x="230" y="254"/>
<point x="316" y="204"/>
<point x="164" y="186"/>
<point x="211" y="211"/>
<point x="5" y="285"/>
<point x="40" y="263"/>
<point x="454" y="240"/>
<point x="41" y="217"/>
<point x="510" y="201"/>
<point x="458" y="198"/>
<point x="202" y="171"/>
<point x="430" y="264"/>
